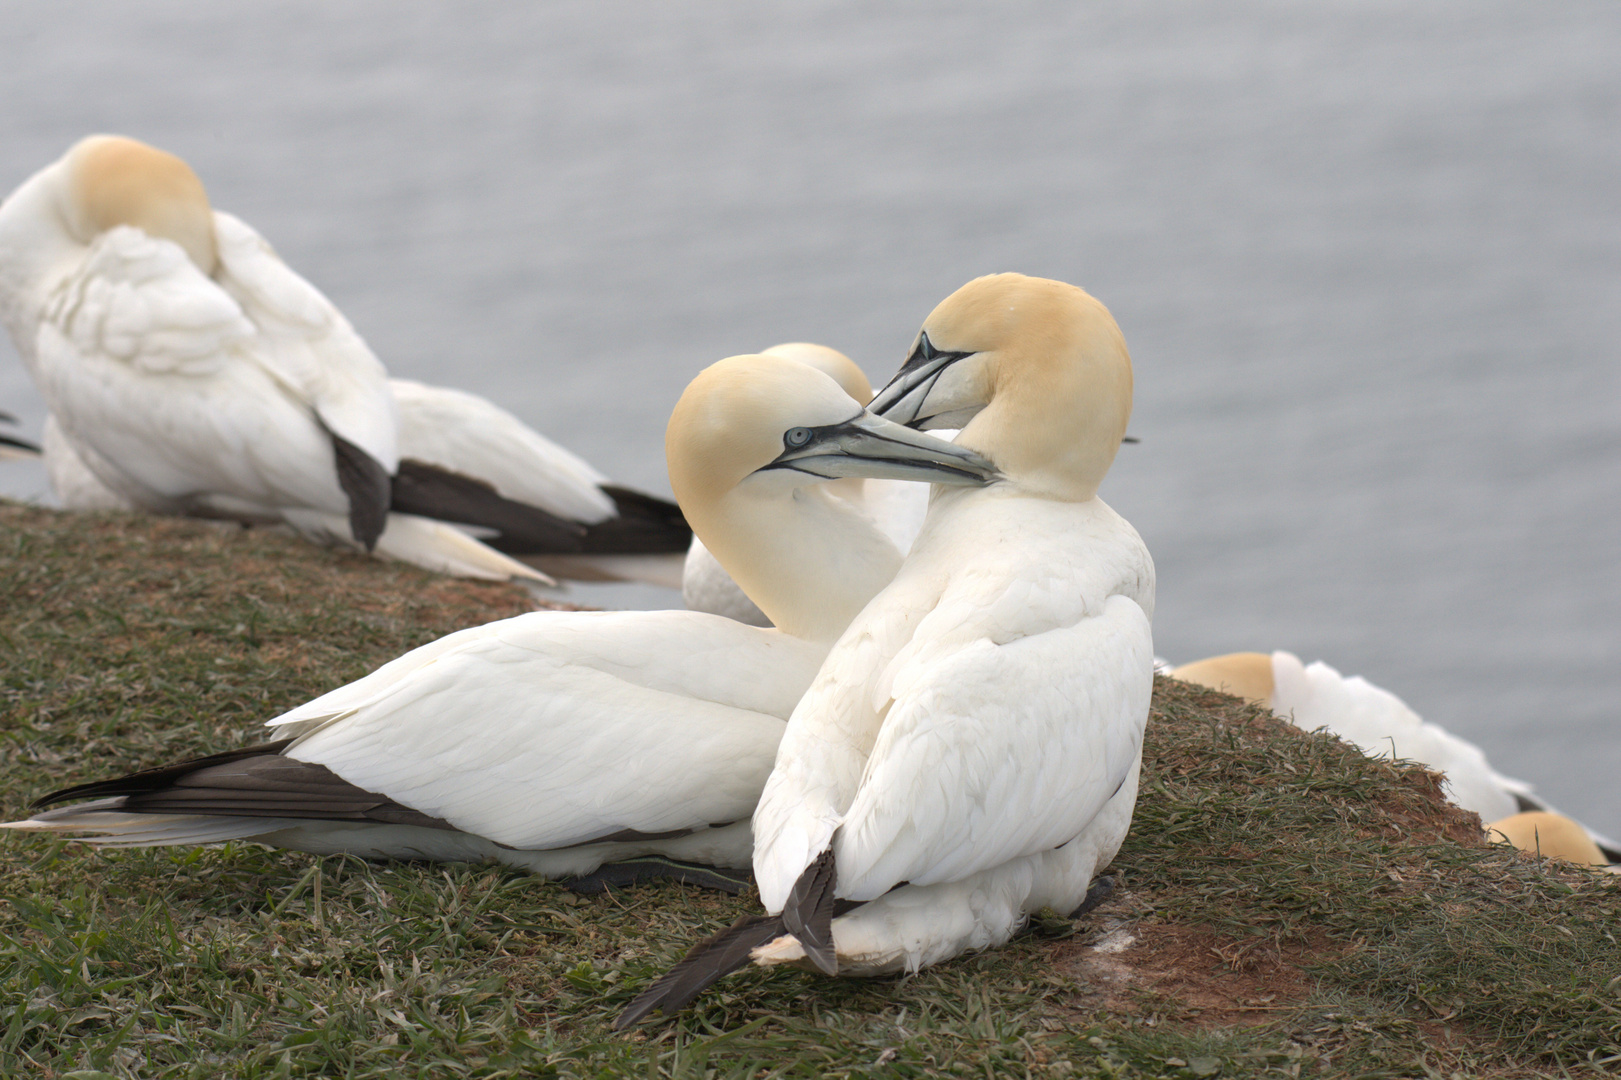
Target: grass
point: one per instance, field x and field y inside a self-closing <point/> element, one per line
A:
<point x="1287" y="907"/>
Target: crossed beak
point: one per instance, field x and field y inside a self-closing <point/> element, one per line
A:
<point x="871" y="446"/>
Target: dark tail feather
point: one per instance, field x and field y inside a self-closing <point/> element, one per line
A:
<point x="435" y="492"/>
<point x="709" y="960"/>
<point x="645" y="525"/>
<point x="808" y="914"/>
<point x="369" y="488"/>
<point x="154" y="779"/>
<point x="254" y="782"/>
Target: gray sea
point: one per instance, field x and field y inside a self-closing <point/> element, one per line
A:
<point x="1367" y="256"/>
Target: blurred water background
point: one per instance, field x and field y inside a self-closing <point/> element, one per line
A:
<point x="1367" y="256"/>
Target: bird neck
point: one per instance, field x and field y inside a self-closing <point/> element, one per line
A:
<point x="809" y="560"/>
<point x="36" y="252"/>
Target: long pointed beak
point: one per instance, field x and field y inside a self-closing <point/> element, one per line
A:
<point x="902" y="399"/>
<point x="870" y="446"/>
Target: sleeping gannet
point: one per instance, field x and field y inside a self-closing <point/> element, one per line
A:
<point x="193" y="372"/>
<point x="896" y="507"/>
<point x="1316" y="697"/>
<point x="558" y="741"/>
<point x="969" y="751"/>
<point x="13" y="448"/>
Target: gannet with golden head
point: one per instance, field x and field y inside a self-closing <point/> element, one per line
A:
<point x="896" y="507"/>
<point x="1316" y="697"/>
<point x="191" y="371"/>
<point x="969" y="751"/>
<point x="557" y="741"/>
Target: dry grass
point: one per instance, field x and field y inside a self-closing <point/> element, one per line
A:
<point x="1288" y="907"/>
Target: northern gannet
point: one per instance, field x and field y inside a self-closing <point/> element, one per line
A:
<point x="896" y="507"/>
<point x="193" y="372"/>
<point x="13" y="448"/>
<point x="969" y="751"/>
<point x="458" y="445"/>
<point x="1316" y="697"/>
<point x="557" y="741"/>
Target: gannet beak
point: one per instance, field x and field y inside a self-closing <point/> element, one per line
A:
<point x="870" y="446"/>
<point x="903" y="400"/>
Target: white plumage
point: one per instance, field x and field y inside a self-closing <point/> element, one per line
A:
<point x="1316" y="697"/>
<point x="969" y="750"/>
<point x="542" y="741"/>
<point x="896" y="507"/>
<point x="190" y="371"/>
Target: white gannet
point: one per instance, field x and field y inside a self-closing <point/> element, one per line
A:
<point x="458" y="445"/>
<point x="557" y="741"/>
<point x="1316" y="697"/>
<point x="969" y="751"/>
<point x="896" y="507"/>
<point x="193" y="372"/>
<point x="13" y="448"/>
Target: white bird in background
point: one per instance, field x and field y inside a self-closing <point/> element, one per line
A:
<point x="13" y="448"/>
<point x="969" y="751"/>
<point x="457" y="443"/>
<point x="896" y="507"/>
<point x="192" y="372"/>
<point x="1316" y="697"/>
<point x="558" y="741"/>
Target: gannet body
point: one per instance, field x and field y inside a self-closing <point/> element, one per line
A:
<point x="969" y="751"/>
<point x="895" y="507"/>
<point x="192" y="372"/>
<point x="556" y="741"/>
<point x="1316" y="697"/>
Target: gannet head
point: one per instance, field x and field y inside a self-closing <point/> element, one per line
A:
<point x="111" y="180"/>
<point x="1034" y="371"/>
<point x="1244" y="674"/>
<point x="775" y="422"/>
<point x="751" y="446"/>
<point x="829" y="362"/>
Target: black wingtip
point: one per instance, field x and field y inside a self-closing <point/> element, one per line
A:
<point x="808" y="914"/>
<point x="146" y="780"/>
<point x="20" y="444"/>
<point x="368" y="487"/>
<point x="711" y="959"/>
<point x="644" y="525"/>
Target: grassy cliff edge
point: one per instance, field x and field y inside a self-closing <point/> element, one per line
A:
<point x="1286" y="906"/>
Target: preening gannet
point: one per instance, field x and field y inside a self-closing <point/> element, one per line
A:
<point x="896" y="507"/>
<point x="1316" y="697"/>
<point x="969" y="751"/>
<point x="193" y="372"/>
<point x="557" y="741"/>
<point x="13" y="448"/>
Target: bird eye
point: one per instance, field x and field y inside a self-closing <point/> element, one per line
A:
<point x="797" y="437"/>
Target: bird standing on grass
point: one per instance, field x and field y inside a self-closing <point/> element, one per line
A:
<point x="562" y="741"/>
<point x="969" y="751"/>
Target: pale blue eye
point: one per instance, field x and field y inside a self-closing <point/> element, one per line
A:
<point x="797" y="437"/>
